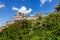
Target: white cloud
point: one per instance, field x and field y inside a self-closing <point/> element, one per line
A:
<point x="14" y="8"/>
<point x="28" y="11"/>
<point x="43" y="1"/>
<point x="2" y="5"/>
<point x="23" y="9"/>
<point x="50" y="0"/>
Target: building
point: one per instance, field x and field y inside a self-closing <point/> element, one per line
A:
<point x="18" y="15"/>
<point x="10" y="22"/>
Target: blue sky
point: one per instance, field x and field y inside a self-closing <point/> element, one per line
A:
<point x="8" y="8"/>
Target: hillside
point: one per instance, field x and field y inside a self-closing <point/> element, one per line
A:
<point x="44" y="28"/>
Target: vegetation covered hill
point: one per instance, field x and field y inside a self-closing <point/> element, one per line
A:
<point x="44" y="28"/>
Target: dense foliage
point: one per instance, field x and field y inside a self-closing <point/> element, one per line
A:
<point x="44" y="28"/>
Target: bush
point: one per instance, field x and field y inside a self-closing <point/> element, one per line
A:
<point x="46" y="28"/>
